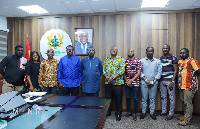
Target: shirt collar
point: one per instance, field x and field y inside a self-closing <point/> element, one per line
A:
<point x="117" y="57"/>
<point x="92" y="58"/>
<point x="51" y="61"/>
<point x="149" y="60"/>
<point x="70" y="57"/>
<point x="163" y="57"/>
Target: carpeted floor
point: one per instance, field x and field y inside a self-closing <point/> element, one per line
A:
<point x="148" y="123"/>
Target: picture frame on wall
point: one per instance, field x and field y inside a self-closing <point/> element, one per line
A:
<point x="83" y="40"/>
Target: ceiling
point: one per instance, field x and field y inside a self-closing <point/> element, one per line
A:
<point x="8" y="8"/>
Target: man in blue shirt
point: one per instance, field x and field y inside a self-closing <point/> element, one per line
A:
<point x="151" y="73"/>
<point x="91" y="70"/>
<point x="69" y="73"/>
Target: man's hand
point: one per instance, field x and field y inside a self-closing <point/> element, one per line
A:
<point x="42" y="88"/>
<point x="148" y="82"/>
<point x="129" y="83"/>
<point x="110" y="80"/>
<point x="171" y="85"/>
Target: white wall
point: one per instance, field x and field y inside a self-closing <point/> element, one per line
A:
<point x="3" y="24"/>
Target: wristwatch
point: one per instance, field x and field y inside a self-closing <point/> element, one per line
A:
<point x="145" y="80"/>
<point x="172" y="81"/>
<point x="113" y="78"/>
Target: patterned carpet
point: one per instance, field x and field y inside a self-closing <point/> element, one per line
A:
<point x="148" y="123"/>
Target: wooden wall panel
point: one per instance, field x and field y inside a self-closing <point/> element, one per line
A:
<point x="124" y="30"/>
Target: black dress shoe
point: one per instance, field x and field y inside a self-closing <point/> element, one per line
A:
<point x="142" y="116"/>
<point x="153" y="116"/>
<point x="162" y="114"/>
<point x="118" y="117"/>
<point x="134" y="117"/>
<point x="109" y="113"/>
<point x="128" y="114"/>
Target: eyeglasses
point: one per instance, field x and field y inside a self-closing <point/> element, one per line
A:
<point x="114" y="49"/>
<point x="83" y="36"/>
<point x="69" y="49"/>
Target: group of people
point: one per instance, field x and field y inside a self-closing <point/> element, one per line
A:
<point x="68" y="74"/>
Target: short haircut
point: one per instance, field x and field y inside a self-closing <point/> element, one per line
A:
<point x="31" y="56"/>
<point x="70" y="46"/>
<point x="90" y="47"/>
<point x="185" y="49"/>
<point x="167" y="45"/>
<point x="148" y="48"/>
<point x="18" y="46"/>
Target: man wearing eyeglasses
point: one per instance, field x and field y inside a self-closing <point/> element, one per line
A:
<point x="81" y="47"/>
<point x="113" y="70"/>
<point x="69" y="73"/>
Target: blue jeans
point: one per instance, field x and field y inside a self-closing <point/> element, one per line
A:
<point x="151" y="92"/>
<point x="91" y="94"/>
<point x="135" y="91"/>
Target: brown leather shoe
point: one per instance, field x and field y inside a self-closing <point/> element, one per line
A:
<point x="134" y="117"/>
<point x="184" y="123"/>
<point x="181" y="118"/>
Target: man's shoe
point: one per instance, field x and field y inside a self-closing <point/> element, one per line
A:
<point x="161" y="114"/>
<point x="109" y="113"/>
<point x="118" y="117"/>
<point x="135" y="117"/>
<point x="184" y="123"/>
<point x="181" y="118"/>
<point x="128" y="114"/>
<point x="142" y="116"/>
<point x="153" y="116"/>
<point x="168" y="117"/>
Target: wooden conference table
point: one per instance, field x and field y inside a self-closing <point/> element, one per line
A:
<point x="63" y="112"/>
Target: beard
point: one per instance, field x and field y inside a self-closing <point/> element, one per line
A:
<point x="130" y="56"/>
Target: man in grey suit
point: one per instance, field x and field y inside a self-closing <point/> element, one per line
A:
<point x="81" y="47"/>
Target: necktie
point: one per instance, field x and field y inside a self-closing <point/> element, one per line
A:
<point x="83" y="48"/>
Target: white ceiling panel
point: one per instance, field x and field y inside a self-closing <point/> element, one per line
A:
<point x="18" y="3"/>
<point x="56" y="8"/>
<point x="181" y="3"/>
<point x="197" y="4"/>
<point x="15" y="11"/>
<point x="78" y="6"/>
<point x="128" y="9"/>
<point x="8" y="8"/>
<point x="127" y="4"/>
<point x="103" y="5"/>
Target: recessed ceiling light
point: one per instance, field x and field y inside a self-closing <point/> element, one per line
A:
<point x="33" y="9"/>
<point x="86" y="10"/>
<point x="154" y="3"/>
<point x="95" y="0"/>
<point x="103" y="9"/>
<point x="80" y="1"/>
<point x="67" y="2"/>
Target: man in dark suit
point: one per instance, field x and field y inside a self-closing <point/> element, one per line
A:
<point x="81" y="47"/>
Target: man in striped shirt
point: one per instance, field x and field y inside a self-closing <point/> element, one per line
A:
<point x="167" y="81"/>
<point x="132" y="72"/>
